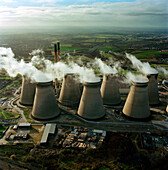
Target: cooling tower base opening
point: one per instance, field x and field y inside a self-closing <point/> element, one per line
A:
<point x="146" y="119"/>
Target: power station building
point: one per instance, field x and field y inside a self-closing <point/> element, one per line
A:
<point x="45" y="105"/>
<point x="137" y="102"/>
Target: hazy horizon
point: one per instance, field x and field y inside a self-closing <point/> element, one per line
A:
<point x="83" y="15"/>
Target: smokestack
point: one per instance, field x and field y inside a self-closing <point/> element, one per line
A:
<point x="91" y="103"/>
<point x="58" y="45"/>
<point x="45" y="105"/>
<point x="110" y="90"/>
<point x="70" y="92"/>
<point x="153" y="89"/>
<point x="27" y="92"/>
<point x="55" y="53"/>
<point x="137" y="103"/>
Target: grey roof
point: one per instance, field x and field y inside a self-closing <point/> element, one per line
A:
<point x="49" y="129"/>
<point x="24" y="124"/>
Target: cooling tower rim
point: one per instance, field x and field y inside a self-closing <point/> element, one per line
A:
<point x="48" y="83"/>
<point x="152" y="74"/>
<point x="139" y="83"/>
<point x="92" y="84"/>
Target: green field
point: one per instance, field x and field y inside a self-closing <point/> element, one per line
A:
<point x="108" y="48"/>
<point x="148" y="54"/>
<point x="7" y="115"/>
<point x="133" y="40"/>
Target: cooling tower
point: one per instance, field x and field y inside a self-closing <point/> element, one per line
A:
<point x="70" y="92"/>
<point x="45" y="105"/>
<point x="153" y="89"/>
<point x="27" y="92"/>
<point x="91" y="103"/>
<point x="137" y="103"/>
<point x="110" y="90"/>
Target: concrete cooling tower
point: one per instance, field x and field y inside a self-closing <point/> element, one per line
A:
<point x="137" y="103"/>
<point x="153" y="89"/>
<point x="110" y="90"/>
<point x="70" y="92"/>
<point x="91" y="104"/>
<point x="45" y="105"/>
<point x="27" y="92"/>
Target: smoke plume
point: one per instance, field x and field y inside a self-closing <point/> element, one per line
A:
<point x="48" y="70"/>
<point x="163" y="70"/>
<point x="135" y="78"/>
<point x="104" y="68"/>
<point x="144" y="68"/>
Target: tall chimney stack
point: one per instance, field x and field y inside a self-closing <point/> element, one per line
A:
<point x="70" y="92"/>
<point x="55" y="53"/>
<point x="27" y="92"/>
<point x="137" y="103"/>
<point x="110" y="90"/>
<point x="91" y="104"/>
<point x="58" y="45"/>
<point x="153" y="89"/>
<point x="45" y="106"/>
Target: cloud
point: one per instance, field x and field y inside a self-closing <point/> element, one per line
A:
<point x="8" y="1"/>
<point x="142" y="13"/>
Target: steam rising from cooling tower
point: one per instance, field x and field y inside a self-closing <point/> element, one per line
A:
<point x="45" y="105"/>
<point x="91" y="103"/>
<point x="153" y="89"/>
<point x="110" y="90"/>
<point x="137" y="103"/>
<point x="70" y="92"/>
<point x="104" y="68"/>
<point x="27" y="92"/>
<point x="49" y="72"/>
<point x="135" y="78"/>
<point x="144" y="68"/>
<point x="163" y="70"/>
<point x="152" y="74"/>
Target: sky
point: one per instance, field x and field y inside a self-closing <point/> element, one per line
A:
<point x="57" y="14"/>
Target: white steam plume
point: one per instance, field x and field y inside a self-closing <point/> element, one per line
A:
<point x="50" y="70"/>
<point x="104" y="68"/>
<point x="13" y="67"/>
<point x="85" y="74"/>
<point x="144" y="68"/>
<point x="135" y="78"/>
<point x="37" y="52"/>
<point x="163" y="70"/>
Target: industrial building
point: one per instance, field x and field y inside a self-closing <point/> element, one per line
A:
<point x="137" y="103"/>
<point x="50" y="129"/>
<point x="27" y="92"/>
<point x="70" y="91"/>
<point x="45" y="105"/>
<point x="91" y="103"/>
<point x="153" y="89"/>
<point x="110" y="90"/>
